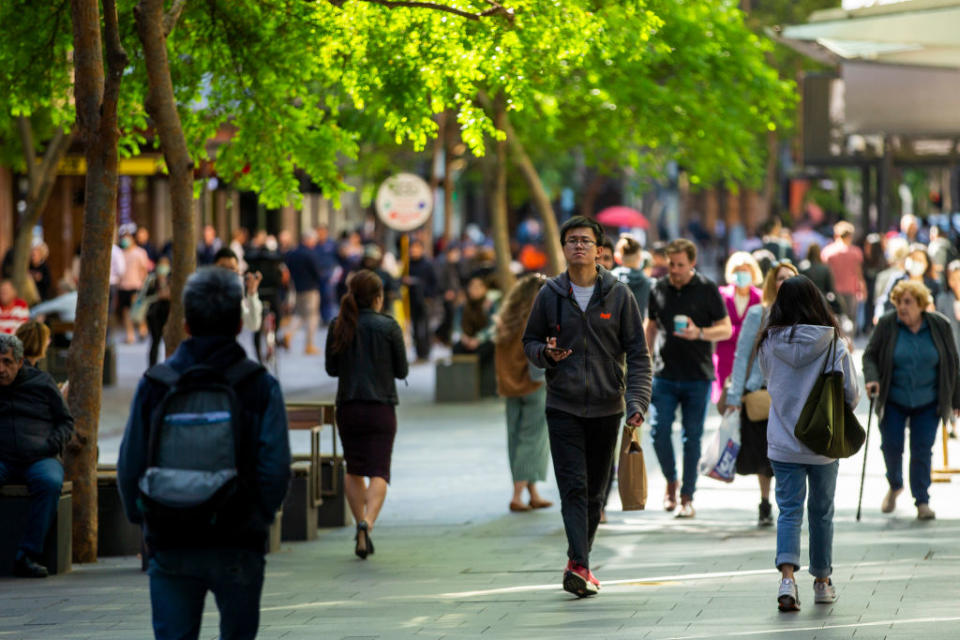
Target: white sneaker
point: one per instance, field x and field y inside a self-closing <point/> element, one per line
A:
<point x="890" y="500"/>
<point x="787" y="598"/>
<point x="824" y="592"/>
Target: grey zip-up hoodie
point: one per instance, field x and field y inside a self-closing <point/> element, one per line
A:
<point x="791" y="360"/>
<point x="605" y="338"/>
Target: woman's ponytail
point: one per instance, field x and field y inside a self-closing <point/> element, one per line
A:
<point x="363" y="288"/>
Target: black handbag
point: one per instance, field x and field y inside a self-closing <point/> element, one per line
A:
<point x="827" y="425"/>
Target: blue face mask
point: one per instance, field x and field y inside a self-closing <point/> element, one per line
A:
<point x="742" y="278"/>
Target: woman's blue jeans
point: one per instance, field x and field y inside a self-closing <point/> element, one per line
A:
<point x="792" y="482"/>
<point x="923" y="434"/>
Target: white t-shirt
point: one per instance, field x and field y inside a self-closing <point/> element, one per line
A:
<point x="582" y="295"/>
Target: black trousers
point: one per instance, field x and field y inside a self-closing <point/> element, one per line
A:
<point x="420" y="319"/>
<point x="582" y="450"/>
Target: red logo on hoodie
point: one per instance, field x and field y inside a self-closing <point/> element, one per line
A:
<point x="605" y="316"/>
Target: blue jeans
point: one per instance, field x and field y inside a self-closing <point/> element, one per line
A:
<point x="693" y="397"/>
<point x="180" y="579"/>
<point x="792" y="480"/>
<point x="923" y="434"/>
<point x="44" y="479"/>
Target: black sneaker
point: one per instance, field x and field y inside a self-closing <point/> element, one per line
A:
<point x="25" y="567"/>
<point x="766" y="517"/>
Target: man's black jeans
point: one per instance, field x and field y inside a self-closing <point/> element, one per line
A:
<point x="582" y="450"/>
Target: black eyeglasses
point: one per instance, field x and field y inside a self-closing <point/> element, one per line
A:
<point x="583" y="242"/>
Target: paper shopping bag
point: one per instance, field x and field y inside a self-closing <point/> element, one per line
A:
<point x="632" y="472"/>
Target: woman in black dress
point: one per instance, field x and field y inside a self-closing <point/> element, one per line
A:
<point x="365" y="349"/>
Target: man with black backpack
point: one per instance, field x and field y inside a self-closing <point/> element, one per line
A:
<point x="204" y="466"/>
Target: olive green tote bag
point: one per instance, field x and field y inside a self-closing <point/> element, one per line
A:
<point x="827" y="426"/>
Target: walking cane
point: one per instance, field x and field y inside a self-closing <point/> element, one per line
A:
<point x="863" y="472"/>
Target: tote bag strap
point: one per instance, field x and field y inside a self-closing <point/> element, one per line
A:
<point x="831" y="353"/>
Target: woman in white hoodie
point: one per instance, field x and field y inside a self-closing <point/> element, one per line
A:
<point x="793" y="347"/>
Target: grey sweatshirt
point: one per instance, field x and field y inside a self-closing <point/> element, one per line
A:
<point x="791" y="365"/>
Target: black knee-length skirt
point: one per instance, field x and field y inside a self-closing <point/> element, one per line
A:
<point x="367" y="431"/>
<point x="752" y="459"/>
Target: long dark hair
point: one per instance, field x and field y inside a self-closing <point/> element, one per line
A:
<point x="799" y="301"/>
<point x="363" y="287"/>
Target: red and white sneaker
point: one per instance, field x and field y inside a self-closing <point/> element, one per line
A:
<point x="579" y="581"/>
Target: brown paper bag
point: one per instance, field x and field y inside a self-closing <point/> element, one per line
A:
<point x="632" y="472"/>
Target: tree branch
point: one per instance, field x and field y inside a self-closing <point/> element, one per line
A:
<point x="495" y="10"/>
<point x="51" y="157"/>
<point x="171" y="17"/>
<point x="25" y="128"/>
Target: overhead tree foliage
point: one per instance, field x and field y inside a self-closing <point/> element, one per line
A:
<point x="299" y="84"/>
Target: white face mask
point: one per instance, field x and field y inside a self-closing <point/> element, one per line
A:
<point x="914" y="267"/>
<point x="742" y="279"/>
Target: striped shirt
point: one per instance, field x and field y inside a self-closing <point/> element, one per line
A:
<point x="13" y="316"/>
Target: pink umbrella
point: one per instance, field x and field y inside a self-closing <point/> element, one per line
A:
<point x="622" y="217"/>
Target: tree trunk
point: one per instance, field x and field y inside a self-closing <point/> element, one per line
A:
<point x="96" y="104"/>
<point x="551" y="232"/>
<point x="770" y="178"/>
<point x="449" y="142"/>
<point x="591" y="193"/>
<point x="40" y="179"/>
<point x="499" y="223"/>
<point x="153" y="26"/>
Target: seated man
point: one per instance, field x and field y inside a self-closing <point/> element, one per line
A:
<point x="35" y="425"/>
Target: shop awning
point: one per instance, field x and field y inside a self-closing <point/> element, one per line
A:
<point x="915" y="32"/>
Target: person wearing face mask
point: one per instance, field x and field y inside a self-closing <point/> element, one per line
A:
<point x="138" y="267"/>
<point x="916" y="268"/>
<point x="746" y="377"/>
<point x="739" y="295"/>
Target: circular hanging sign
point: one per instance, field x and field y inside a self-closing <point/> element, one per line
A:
<point x="404" y="202"/>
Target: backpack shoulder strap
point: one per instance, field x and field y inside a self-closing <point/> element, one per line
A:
<point x="163" y="374"/>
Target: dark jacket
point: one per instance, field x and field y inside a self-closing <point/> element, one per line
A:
<point x="639" y="284"/>
<point x="34" y="420"/>
<point x="261" y="397"/>
<point x="367" y="367"/>
<point x="305" y="269"/>
<point x="878" y="360"/>
<point x="604" y="339"/>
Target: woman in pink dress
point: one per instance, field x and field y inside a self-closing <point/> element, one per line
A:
<point x="743" y="277"/>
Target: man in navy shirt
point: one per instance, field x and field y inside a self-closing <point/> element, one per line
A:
<point x="307" y="275"/>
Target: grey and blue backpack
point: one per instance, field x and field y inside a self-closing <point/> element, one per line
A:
<point x="201" y="452"/>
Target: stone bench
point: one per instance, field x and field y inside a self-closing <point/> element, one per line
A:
<point x="58" y="547"/>
<point x="462" y="378"/>
<point x="299" y="509"/>
<point x="116" y="536"/>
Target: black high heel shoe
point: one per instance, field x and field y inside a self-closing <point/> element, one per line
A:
<point x="368" y="547"/>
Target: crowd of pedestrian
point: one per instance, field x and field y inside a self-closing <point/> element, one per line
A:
<point x="620" y="335"/>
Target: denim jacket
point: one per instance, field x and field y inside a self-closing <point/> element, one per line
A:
<point x="750" y="329"/>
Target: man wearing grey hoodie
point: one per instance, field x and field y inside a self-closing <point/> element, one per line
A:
<point x="585" y="329"/>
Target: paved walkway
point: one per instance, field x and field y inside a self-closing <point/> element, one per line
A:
<point x="451" y="561"/>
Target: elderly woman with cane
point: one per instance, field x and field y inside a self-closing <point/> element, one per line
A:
<point x="910" y="364"/>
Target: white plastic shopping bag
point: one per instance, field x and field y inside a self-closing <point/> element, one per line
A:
<point x="719" y="459"/>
